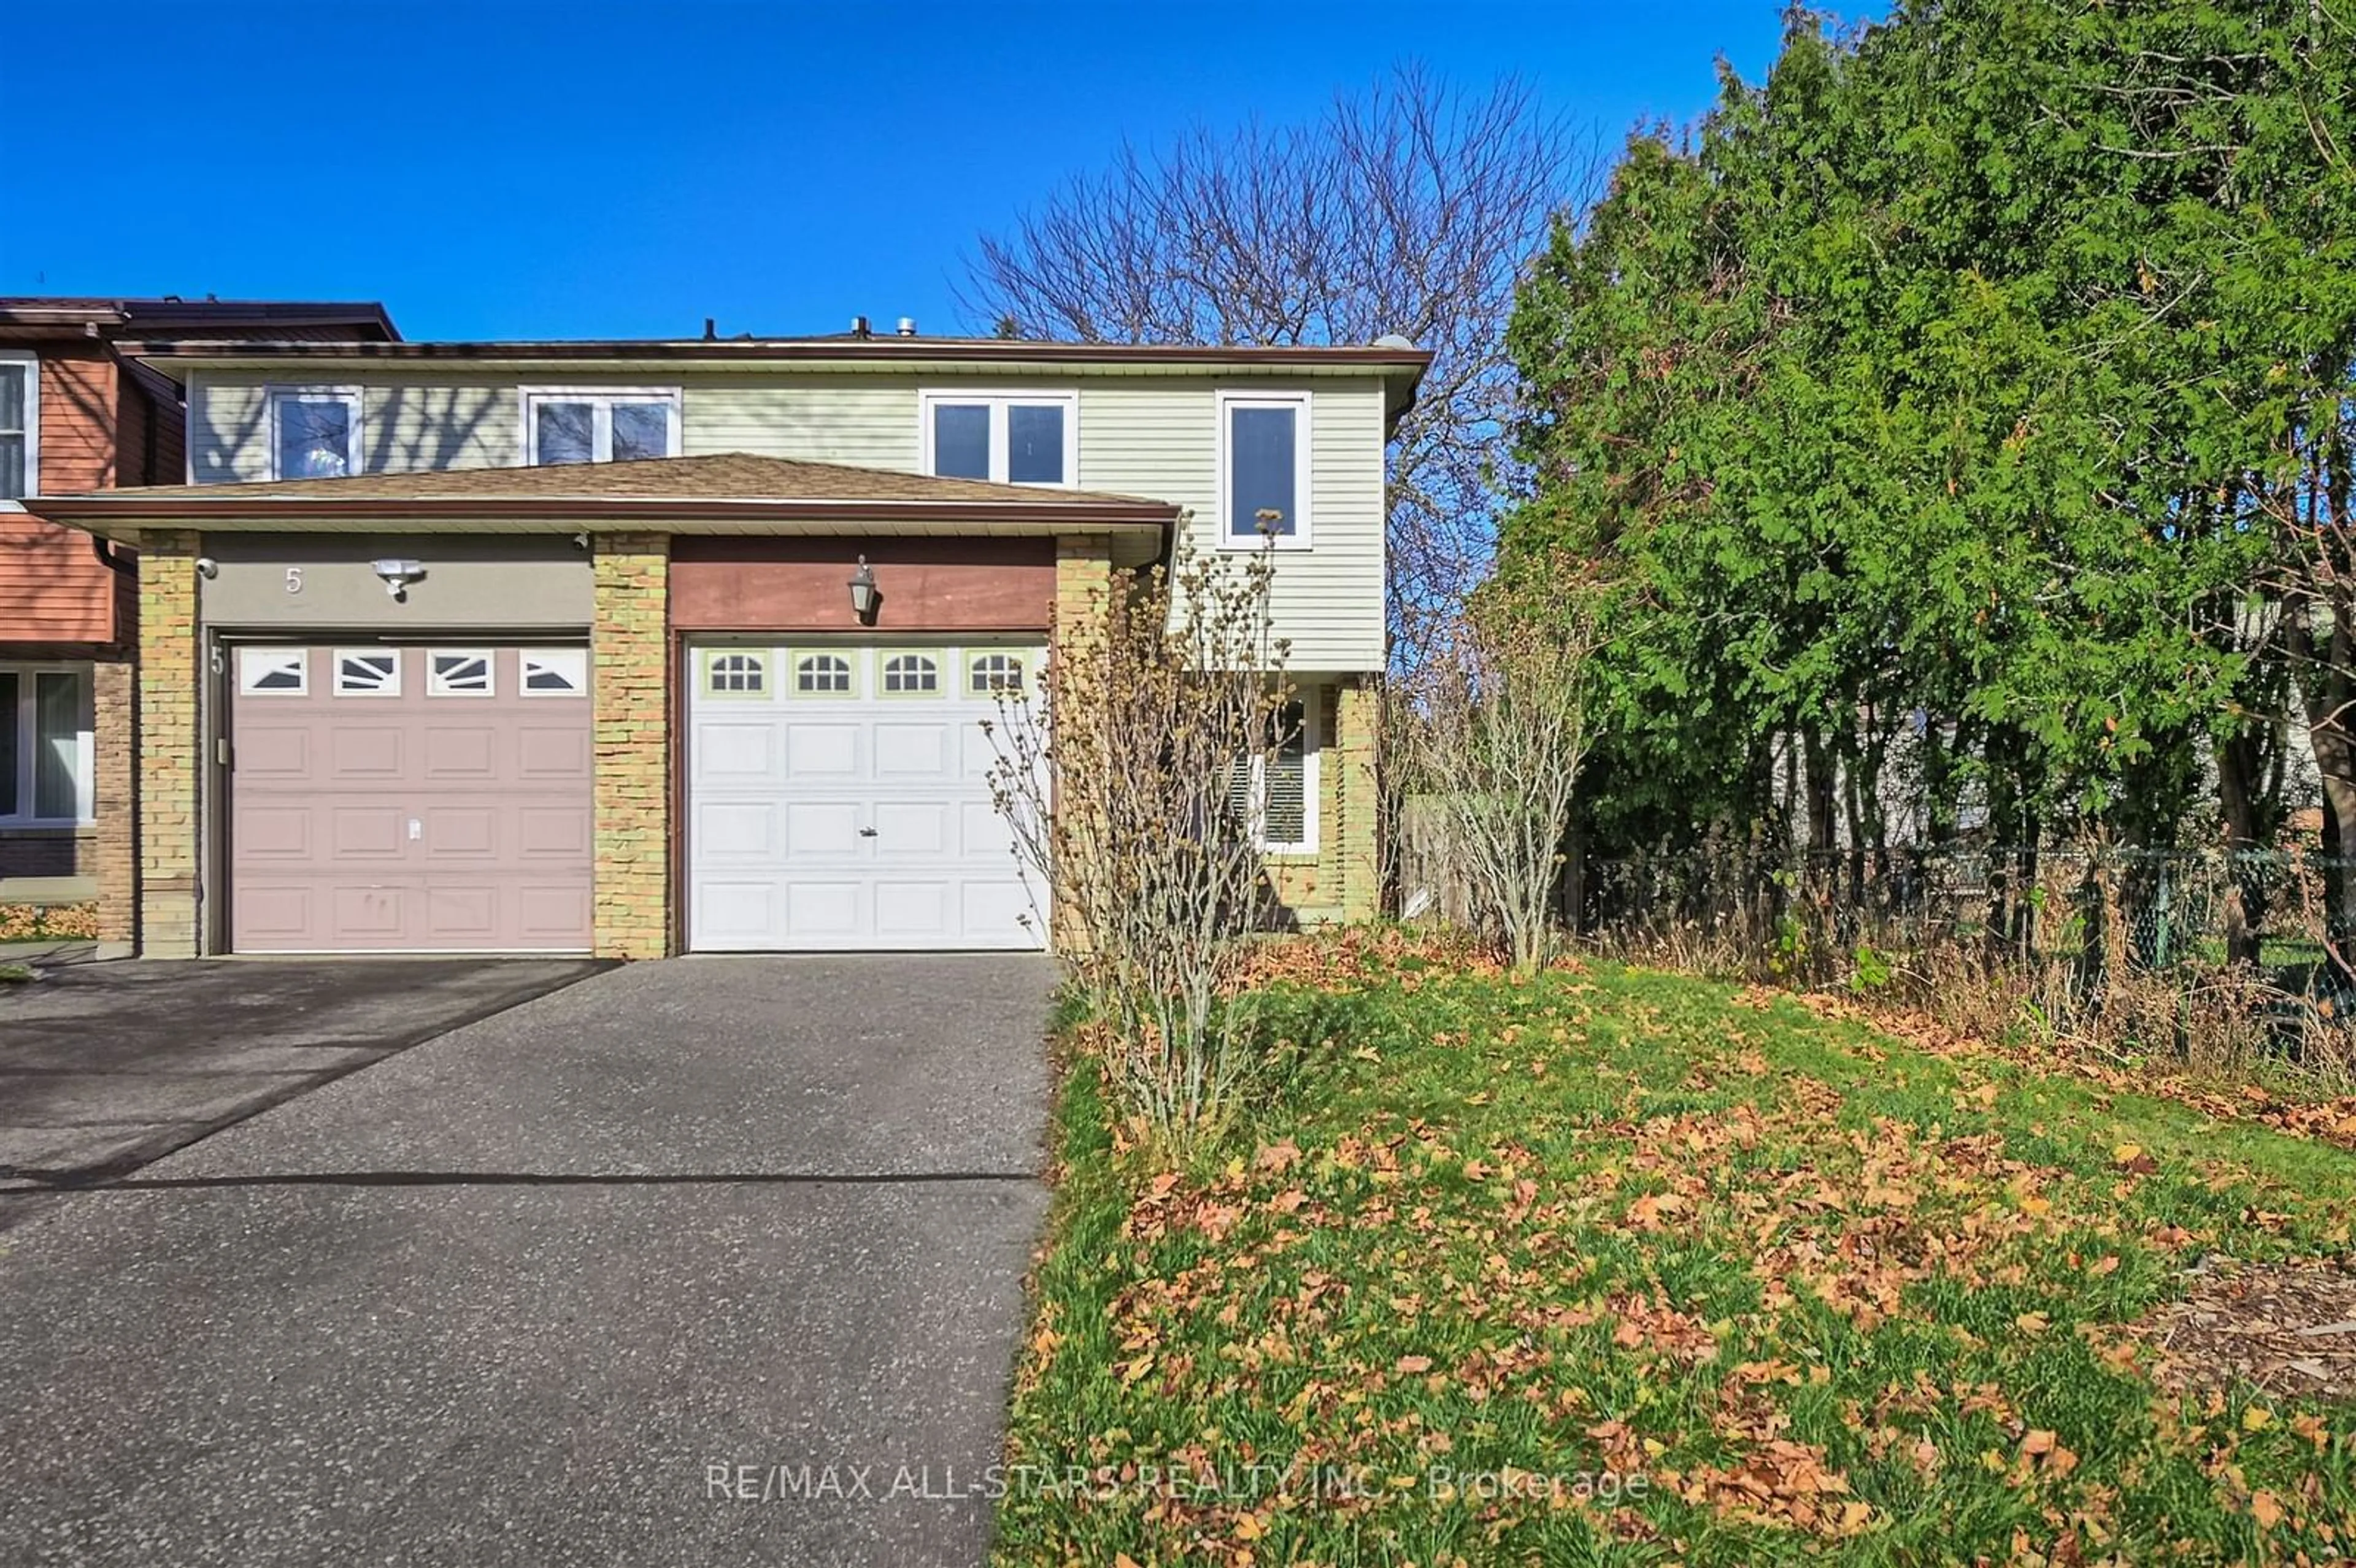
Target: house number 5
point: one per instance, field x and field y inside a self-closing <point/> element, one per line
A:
<point x="294" y="579"/>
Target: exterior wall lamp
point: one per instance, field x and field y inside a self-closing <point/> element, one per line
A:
<point x="864" y="596"/>
<point x="397" y="575"/>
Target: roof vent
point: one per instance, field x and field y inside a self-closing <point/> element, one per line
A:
<point x="1393" y="340"/>
<point x="907" y="327"/>
<point x="711" y="329"/>
<point x="859" y="326"/>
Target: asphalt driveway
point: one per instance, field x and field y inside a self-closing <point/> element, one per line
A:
<point x="104" y="1067"/>
<point x="709" y="1260"/>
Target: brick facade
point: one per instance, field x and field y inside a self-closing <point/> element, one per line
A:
<point x="630" y="687"/>
<point x="114" y="853"/>
<point x="170" y="741"/>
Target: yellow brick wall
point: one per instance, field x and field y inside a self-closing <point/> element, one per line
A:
<point x="1338" y="882"/>
<point x="115" y="704"/>
<point x="168" y="746"/>
<point x="630" y="688"/>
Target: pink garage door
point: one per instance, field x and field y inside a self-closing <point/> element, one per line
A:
<point x="408" y="800"/>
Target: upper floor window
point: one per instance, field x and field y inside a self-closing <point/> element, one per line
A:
<point x="565" y="425"/>
<point x="1013" y="438"/>
<point x="20" y="426"/>
<point x="314" y="433"/>
<point x="1264" y="469"/>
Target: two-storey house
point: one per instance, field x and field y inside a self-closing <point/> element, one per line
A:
<point x="78" y="412"/>
<point x="637" y="647"/>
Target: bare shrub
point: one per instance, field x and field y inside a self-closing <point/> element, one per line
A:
<point x="1126" y="784"/>
<point x="1497" y="736"/>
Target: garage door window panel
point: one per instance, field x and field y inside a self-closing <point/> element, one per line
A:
<point x="823" y="675"/>
<point x="553" y="672"/>
<point x="988" y="675"/>
<point x="461" y="672"/>
<point x="372" y="672"/>
<point x="911" y="675"/>
<point x="273" y="672"/>
<point x="736" y="673"/>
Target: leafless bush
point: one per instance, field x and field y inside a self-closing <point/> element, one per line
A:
<point x="1498" y="735"/>
<point x="1128" y="789"/>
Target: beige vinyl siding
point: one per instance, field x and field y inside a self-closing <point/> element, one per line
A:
<point x="407" y="423"/>
<point x="869" y="421"/>
<point x="1152" y="435"/>
<point x="1160" y="438"/>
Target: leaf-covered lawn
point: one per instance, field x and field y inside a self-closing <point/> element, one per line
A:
<point x="1627" y="1266"/>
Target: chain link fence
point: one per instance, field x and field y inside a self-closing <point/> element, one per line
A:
<point x="2090" y="911"/>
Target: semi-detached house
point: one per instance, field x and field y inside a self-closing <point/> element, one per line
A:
<point x="570" y="646"/>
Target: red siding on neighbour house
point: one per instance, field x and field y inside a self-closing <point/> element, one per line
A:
<point x="53" y="589"/>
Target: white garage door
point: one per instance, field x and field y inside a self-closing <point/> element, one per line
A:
<point x="839" y="798"/>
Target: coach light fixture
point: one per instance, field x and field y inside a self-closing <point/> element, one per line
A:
<point x="398" y="575"/>
<point x="863" y="592"/>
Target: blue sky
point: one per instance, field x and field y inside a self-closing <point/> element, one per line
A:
<point x="509" y="169"/>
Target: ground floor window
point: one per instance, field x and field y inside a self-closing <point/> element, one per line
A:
<point x="1277" y="792"/>
<point x="45" y="745"/>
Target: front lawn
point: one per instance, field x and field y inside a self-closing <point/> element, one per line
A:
<point x="1623" y="1266"/>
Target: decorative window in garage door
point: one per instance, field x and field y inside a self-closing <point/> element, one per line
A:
<point x="911" y="674"/>
<point x="367" y="672"/>
<point x="822" y="675"/>
<point x="273" y="672"/>
<point x="554" y="672"/>
<point x="735" y="674"/>
<point x="460" y="672"/>
<point x="990" y="673"/>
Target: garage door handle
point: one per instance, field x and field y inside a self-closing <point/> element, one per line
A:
<point x="867" y="833"/>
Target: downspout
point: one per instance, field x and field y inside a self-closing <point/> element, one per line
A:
<point x="103" y="549"/>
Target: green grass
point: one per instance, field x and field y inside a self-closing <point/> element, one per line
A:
<point x="1742" y="1285"/>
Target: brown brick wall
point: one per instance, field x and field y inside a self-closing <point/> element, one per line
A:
<point x="629" y="642"/>
<point x="169" y="735"/>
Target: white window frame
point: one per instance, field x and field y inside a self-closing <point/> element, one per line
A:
<point x="998" y="401"/>
<point x="601" y="421"/>
<point x="1311" y="714"/>
<point x="27" y="719"/>
<point x="31" y="361"/>
<point x="1298" y="538"/>
<point x="278" y="395"/>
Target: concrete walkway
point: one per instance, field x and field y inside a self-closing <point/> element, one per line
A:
<point x="614" y="1277"/>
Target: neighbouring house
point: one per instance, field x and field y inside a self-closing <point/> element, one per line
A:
<point x="79" y="412"/>
<point x="553" y="646"/>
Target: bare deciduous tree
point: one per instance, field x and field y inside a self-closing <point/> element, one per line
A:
<point x="1496" y="732"/>
<point x="1119" y="785"/>
<point x="1408" y="209"/>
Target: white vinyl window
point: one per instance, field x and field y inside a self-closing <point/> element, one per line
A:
<point x="1276" y="791"/>
<point x="46" y="726"/>
<point x="461" y="672"/>
<point x="20" y="424"/>
<point x="1264" y="470"/>
<point x="599" y="424"/>
<point x="553" y="672"/>
<point x="367" y="672"/>
<point x="314" y="433"/>
<point x="1011" y="438"/>
<point x="273" y="672"/>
